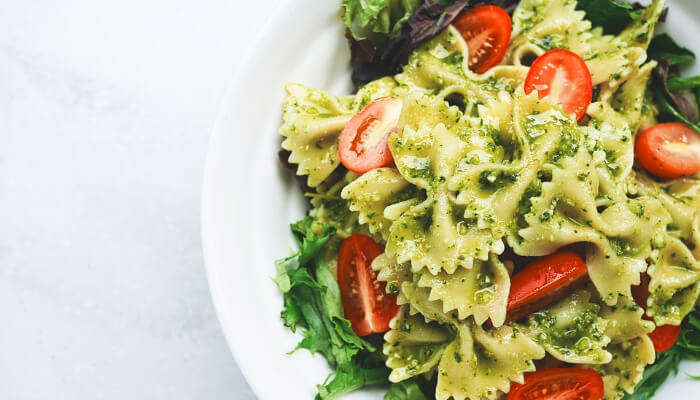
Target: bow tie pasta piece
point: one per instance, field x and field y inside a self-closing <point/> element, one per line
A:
<point x="674" y="284"/>
<point x="571" y="330"/>
<point x="426" y="150"/>
<point x="478" y="363"/>
<point x="630" y="347"/>
<point x="481" y="291"/>
<point x="419" y="303"/>
<point x="329" y="209"/>
<point x="374" y="192"/>
<point x="401" y="282"/>
<point x="312" y="121"/>
<point x="438" y="63"/>
<point x="490" y="183"/>
<point x="414" y="346"/>
<point x="629" y="358"/>
<point x="626" y="102"/>
<point x="625" y="321"/>
<point x="394" y="274"/>
<point x="675" y="268"/>
<point x="681" y="198"/>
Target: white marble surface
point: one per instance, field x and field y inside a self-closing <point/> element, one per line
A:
<point x="105" y="114"/>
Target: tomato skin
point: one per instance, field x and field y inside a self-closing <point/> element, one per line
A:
<point x="559" y="384"/>
<point x="664" y="336"/>
<point x="487" y="30"/>
<point x="365" y="302"/>
<point x="364" y="144"/>
<point x="564" y="76"/>
<point x="669" y="150"/>
<point x="543" y="282"/>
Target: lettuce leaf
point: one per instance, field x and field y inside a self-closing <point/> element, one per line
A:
<point x="374" y="18"/>
<point x="405" y="390"/>
<point x="613" y="16"/>
<point x="312" y="299"/>
<point x="366" y="369"/>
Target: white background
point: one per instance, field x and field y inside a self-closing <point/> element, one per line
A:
<point x="105" y="113"/>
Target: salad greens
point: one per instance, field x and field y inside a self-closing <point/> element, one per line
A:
<point x="377" y="19"/>
<point x="613" y="16"/>
<point x="312" y="298"/>
<point x="664" y="47"/>
<point x="673" y="95"/>
<point x="405" y="390"/>
<point x="686" y="348"/>
<point x="312" y="303"/>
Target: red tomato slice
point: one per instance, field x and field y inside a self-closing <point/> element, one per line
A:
<point x="669" y="150"/>
<point x="559" y="384"/>
<point x="564" y="76"/>
<point x="363" y="144"/>
<point x="486" y="29"/>
<point x="544" y="282"/>
<point x="664" y="336"/>
<point x="365" y="302"/>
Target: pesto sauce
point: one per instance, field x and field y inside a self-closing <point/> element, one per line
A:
<point x="577" y="338"/>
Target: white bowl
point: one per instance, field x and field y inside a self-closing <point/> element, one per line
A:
<point x="248" y="201"/>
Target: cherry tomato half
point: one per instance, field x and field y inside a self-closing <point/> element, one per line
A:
<point x="486" y="29"/>
<point x="559" y="384"/>
<point x="365" y="302"/>
<point x="363" y="144"/>
<point x="664" y="336"/>
<point x="544" y="282"/>
<point x="564" y="77"/>
<point x="669" y="150"/>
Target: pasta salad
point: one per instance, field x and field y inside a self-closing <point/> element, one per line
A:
<point x="507" y="207"/>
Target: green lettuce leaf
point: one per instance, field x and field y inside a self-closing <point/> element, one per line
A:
<point x="370" y="18"/>
<point x="405" y="390"/>
<point x="613" y="16"/>
<point x="353" y="376"/>
<point x="312" y="299"/>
